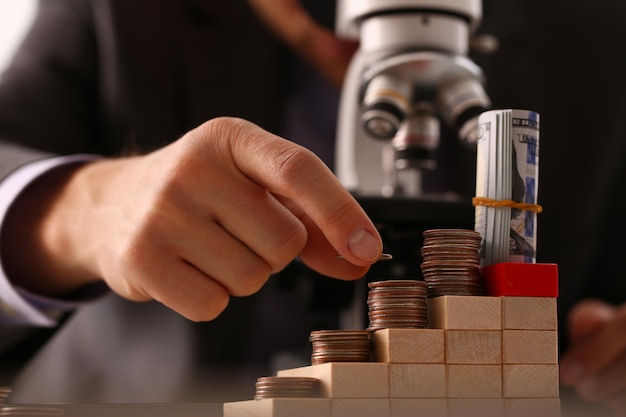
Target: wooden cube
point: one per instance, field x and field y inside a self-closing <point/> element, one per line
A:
<point x="529" y="313"/>
<point x="530" y="346"/>
<point x="358" y="407"/>
<point x="465" y="313"/>
<point x="407" y="380"/>
<point x="408" y="346"/>
<point x="474" y="346"/>
<point x="347" y="379"/>
<point x="530" y="381"/>
<point x="535" y="407"/>
<point x="474" y="381"/>
<point x="476" y="407"/>
<point x="279" y="407"/>
<point x="412" y="407"/>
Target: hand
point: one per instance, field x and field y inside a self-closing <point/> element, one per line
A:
<point x="314" y="43"/>
<point x="209" y="216"/>
<point x="595" y="366"/>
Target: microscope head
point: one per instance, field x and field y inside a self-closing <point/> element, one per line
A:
<point x="410" y="72"/>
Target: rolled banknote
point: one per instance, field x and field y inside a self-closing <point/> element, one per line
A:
<point x="507" y="174"/>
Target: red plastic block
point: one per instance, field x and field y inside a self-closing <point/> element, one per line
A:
<point x="521" y="279"/>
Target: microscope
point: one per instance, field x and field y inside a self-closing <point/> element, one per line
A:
<point x="410" y="75"/>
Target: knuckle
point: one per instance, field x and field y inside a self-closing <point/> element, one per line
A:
<point x="288" y="244"/>
<point x="218" y="124"/>
<point x="339" y="213"/>
<point x="249" y="277"/>
<point x="292" y="163"/>
<point x="201" y="306"/>
<point x="220" y="128"/>
<point x="209" y="310"/>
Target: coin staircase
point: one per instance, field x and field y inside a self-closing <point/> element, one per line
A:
<point x="453" y="354"/>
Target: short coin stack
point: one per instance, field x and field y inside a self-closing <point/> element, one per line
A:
<point x="451" y="260"/>
<point x="340" y="346"/>
<point x="396" y="304"/>
<point x="286" y="387"/>
<point x="4" y="394"/>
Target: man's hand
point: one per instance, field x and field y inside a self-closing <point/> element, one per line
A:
<point x="596" y="363"/>
<point x="209" y="216"/>
<point x="314" y="43"/>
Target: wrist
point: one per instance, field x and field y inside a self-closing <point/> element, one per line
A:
<point x="37" y="236"/>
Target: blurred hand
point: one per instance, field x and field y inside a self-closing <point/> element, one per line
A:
<point x="595" y="365"/>
<point x="314" y="43"/>
<point x="209" y="216"/>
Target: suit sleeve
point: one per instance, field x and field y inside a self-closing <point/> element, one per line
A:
<point x="18" y="307"/>
<point x="48" y="107"/>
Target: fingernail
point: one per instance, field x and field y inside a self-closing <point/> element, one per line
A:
<point x="364" y="245"/>
<point x="572" y="372"/>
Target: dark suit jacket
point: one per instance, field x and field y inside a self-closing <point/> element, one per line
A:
<point x="115" y="76"/>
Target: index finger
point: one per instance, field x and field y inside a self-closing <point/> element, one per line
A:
<point x="287" y="169"/>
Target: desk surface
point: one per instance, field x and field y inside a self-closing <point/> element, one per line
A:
<point x="130" y="410"/>
<point x="570" y="407"/>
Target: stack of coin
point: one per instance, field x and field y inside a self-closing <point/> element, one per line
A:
<point x="286" y="387"/>
<point x="451" y="258"/>
<point x="31" y="411"/>
<point x="4" y="394"/>
<point x="397" y="304"/>
<point x="340" y="346"/>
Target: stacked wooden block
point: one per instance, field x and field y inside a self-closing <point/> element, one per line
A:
<point x="481" y="356"/>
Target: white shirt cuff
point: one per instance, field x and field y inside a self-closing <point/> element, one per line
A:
<point x="18" y="306"/>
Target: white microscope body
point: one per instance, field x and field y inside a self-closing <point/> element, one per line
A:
<point x="410" y="72"/>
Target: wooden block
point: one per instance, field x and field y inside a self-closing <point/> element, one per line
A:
<point x="407" y="380"/>
<point x="535" y="407"/>
<point x="529" y="313"/>
<point x="279" y="407"/>
<point x="476" y="407"/>
<point x="412" y="407"/>
<point x="465" y="313"/>
<point x="522" y="280"/>
<point x="474" y="381"/>
<point x="347" y="379"/>
<point x="408" y="346"/>
<point x="358" y="407"/>
<point x="474" y="346"/>
<point x="530" y="346"/>
<point x="530" y="381"/>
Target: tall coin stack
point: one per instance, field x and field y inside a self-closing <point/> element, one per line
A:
<point x="340" y="346"/>
<point x="451" y="259"/>
<point x="396" y="304"/>
<point x="286" y="387"/>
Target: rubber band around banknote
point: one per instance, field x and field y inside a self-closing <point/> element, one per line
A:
<point x="490" y="202"/>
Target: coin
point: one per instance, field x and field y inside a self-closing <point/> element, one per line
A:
<point x="382" y="257"/>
